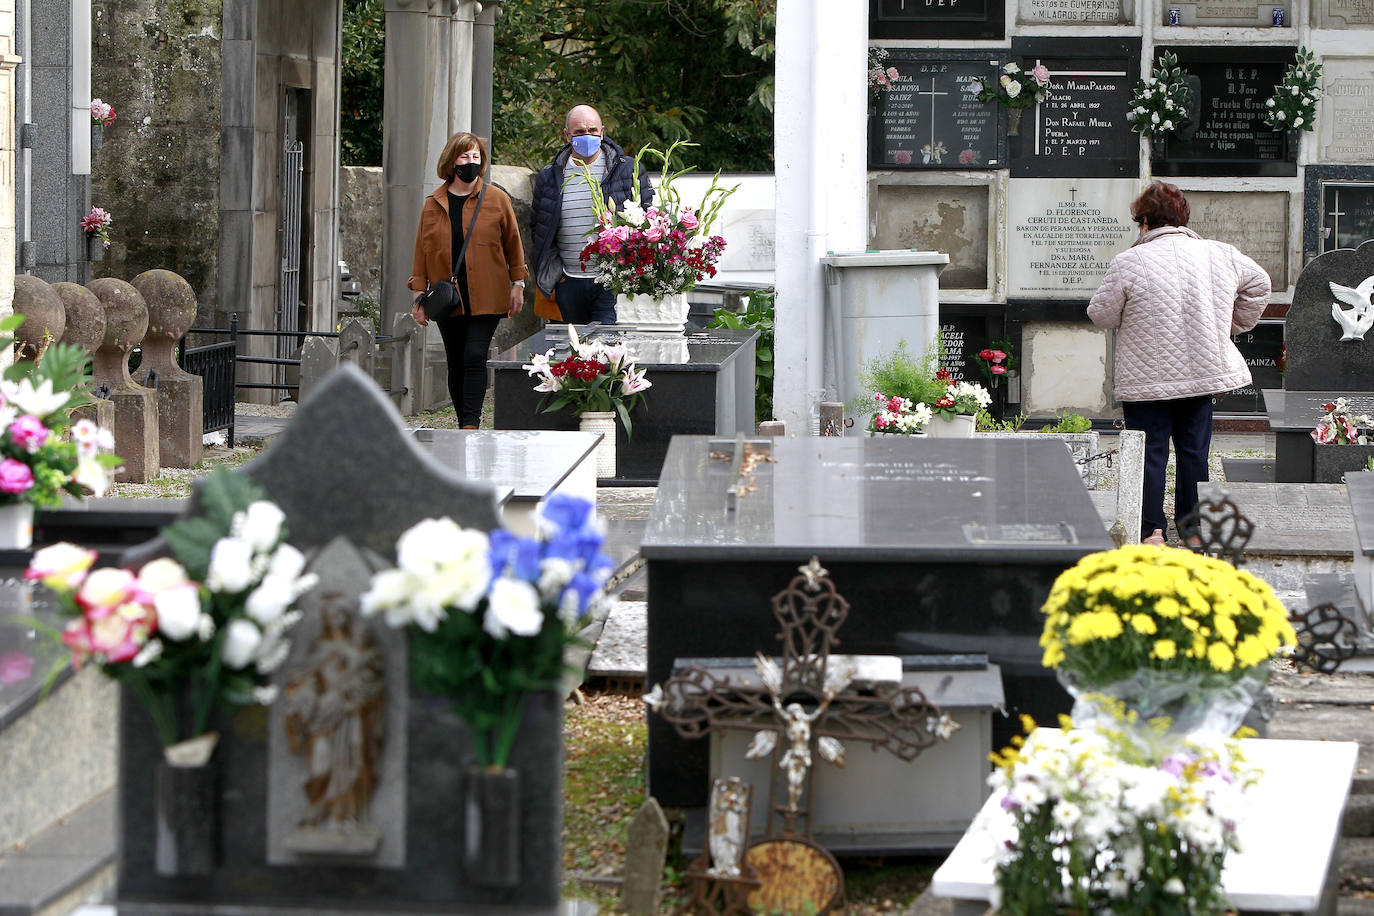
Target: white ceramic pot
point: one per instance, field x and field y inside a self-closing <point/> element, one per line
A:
<point x="646" y="313"/>
<point x="601" y="421"/>
<point x="16" y="526"/>
<point x="960" y="427"/>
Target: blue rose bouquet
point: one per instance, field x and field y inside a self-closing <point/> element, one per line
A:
<point x="492" y="613"/>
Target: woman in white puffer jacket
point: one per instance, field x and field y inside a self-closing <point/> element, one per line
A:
<point x="1175" y="299"/>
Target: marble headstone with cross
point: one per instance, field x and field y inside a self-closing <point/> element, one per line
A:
<point x="349" y="481"/>
<point x="1329" y="353"/>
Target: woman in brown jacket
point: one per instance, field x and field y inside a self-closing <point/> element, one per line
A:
<point x="491" y="279"/>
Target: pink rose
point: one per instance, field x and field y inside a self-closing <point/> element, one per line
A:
<point x="653" y="234"/>
<point x="967" y="157"/>
<point x="77" y="637"/>
<point x="1323" y="434"/>
<point x="119" y="632"/>
<point x="998" y="370"/>
<point x="1041" y="74"/>
<point x="688" y="220"/>
<point x="998" y="356"/>
<point x="29" y="433"/>
<point x="902" y="157"/>
<point x="15" y="667"/>
<point x="892" y="74"/>
<point x="15" y="476"/>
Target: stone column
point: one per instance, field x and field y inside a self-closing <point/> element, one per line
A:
<point x="135" y="407"/>
<point x="180" y="395"/>
<point x="462" y="17"/>
<point x="404" y="168"/>
<point x="44" y="317"/>
<point x="8" y="61"/>
<point x="483" y="60"/>
<point x="822" y="191"/>
<point x="85" y="328"/>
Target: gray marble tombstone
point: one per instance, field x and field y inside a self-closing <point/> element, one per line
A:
<point x="180" y="395"/>
<point x="85" y="329"/>
<point x="1317" y="358"/>
<point x="350" y="481"/>
<point x="135" y="407"/>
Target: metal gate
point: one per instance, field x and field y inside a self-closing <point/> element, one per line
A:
<point x="289" y="284"/>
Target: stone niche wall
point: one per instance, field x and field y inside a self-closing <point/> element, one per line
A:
<point x="1256" y="222"/>
<point x="158" y="62"/>
<point x="952" y="219"/>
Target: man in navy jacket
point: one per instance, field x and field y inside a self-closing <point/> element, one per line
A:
<point x="563" y="216"/>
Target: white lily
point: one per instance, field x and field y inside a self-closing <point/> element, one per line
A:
<point x="40" y="401"/>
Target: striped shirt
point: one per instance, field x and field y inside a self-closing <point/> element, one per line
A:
<point x="578" y="217"/>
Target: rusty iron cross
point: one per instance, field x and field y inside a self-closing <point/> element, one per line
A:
<point x="806" y="706"/>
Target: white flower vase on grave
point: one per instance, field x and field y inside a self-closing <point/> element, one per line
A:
<point x="646" y="313"/>
<point x="958" y="427"/>
<point x="601" y="421"/>
<point x="16" y="526"/>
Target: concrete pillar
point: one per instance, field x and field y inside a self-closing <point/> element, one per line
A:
<point x="135" y="407"/>
<point x="404" y="122"/>
<point x="180" y="395"/>
<point x="8" y="61"/>
<point x="822" y="189"/>
<point x="483" y="60"/>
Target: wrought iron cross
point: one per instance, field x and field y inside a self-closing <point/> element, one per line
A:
<point x="806" y="706"/>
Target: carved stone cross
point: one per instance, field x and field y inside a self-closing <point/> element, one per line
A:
<point x="809" y="705"/>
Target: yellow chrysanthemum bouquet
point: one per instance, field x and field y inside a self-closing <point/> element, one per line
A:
<point x="1169" y="632"/>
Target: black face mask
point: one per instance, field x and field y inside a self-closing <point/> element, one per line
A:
<point x="468" y="171"/>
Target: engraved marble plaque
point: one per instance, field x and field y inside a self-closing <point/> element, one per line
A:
<point x="1064" y="12"/>
<point x="937" y="218"/>
<point x="1343" y="14"/>
<point x="1346" y="112"/>
<point x="1226" y="12"/>
<point x="1064" y="233"/>
<point x="1256" y="222"/>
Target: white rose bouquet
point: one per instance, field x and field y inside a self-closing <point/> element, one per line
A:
<point x="1293" y="106"/>
<point x="491" y="613"/>
<point x="1017" y="88"/>
<point x="1160" y="102"/>
<point x="191" y="633"/>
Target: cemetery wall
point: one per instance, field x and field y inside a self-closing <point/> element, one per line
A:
<point x="159" y="63"/>
<point x="1032" y="209"/>
<point x="9" y="59"/>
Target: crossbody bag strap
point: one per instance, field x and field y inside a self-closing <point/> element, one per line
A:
<point x="463" y="249"/>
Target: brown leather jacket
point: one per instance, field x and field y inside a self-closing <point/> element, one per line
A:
<point x="495" y="258"/>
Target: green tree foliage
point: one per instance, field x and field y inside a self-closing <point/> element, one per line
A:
<point x="657" y="70"/>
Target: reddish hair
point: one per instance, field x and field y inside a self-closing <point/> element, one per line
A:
<point x="1161" y="204"/>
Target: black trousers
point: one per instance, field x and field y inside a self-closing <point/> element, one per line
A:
<point x="467" y="338"/>
<point x="582" y="300"/>
<point x="1188" y="422"/>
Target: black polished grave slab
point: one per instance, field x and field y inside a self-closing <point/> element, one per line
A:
<point x="1317" y="357"/>
<point x="531" y="463"/>
<point x="931" y="117"/>
<point x="936" y="19"/>
<point x="1226" y="136"/>
<point x="1337" y="208"/>
<point x="1262" y="348"/>
<point x="940" y="546"/>
<point x="1080" y="130"/>
<point x="1292" y="416"/>
<point x="703" y="384"/>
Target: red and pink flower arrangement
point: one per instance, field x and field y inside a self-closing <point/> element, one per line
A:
<point x="596" y="377"/>
<point x="96" y="225"/>
<point x="102" y="113"/>
<point x="660" y="251"/>
<point x="1340" y="425"/>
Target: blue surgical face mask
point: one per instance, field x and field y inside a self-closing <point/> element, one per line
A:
<point x="586" y="145"/>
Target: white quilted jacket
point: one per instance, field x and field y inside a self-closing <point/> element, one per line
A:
<point x="1175" y="299"/>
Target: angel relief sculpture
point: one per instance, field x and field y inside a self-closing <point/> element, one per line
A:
<point x="1357" y="319"/>
<point x="335" y="706"/>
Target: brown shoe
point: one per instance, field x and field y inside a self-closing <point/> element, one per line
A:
<point x="468" y="426"/>
<point x="1156" y="539"/>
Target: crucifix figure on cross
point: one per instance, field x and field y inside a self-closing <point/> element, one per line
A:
<point x="806" y="706"/>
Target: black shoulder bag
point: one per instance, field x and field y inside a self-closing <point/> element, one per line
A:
<point x="441" y="299"/>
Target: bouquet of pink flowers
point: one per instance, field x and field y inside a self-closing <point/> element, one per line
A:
<point x="660" y="251"/>
<point x="596" y="377"/>
<point x="96" y="224"/>
<point x="1016" y="88"/>
<point x="189" y="634"/>
<point x="102" y="113"/>
<point x="880" y="78"/>
<point x="1340" y="425"/>
<point x="898" y="416"/>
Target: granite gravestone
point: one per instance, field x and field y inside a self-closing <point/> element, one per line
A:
<point x="1262" y="348"/>
<point x="1338" y="207"/>
<point x="936" y="19"/>
<point x="1320" y="366"/>
<point x="1080" y="130"/>
<point x="906" y="524"/>
<point x="1225" y="134"/>
<point x="345" y="435"/>
<point x="931" y="117"/>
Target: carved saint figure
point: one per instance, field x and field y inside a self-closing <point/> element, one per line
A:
<point x="335" y="706"/>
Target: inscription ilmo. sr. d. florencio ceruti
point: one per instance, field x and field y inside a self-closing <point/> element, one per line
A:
<point x="1067" y="242"/>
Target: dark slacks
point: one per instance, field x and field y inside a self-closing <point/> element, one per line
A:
<point x="582" y="300"/>
<point x="1188" y="422"/>
<point x="467" y="338"/>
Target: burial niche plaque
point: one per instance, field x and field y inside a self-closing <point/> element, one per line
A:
<point x="932" y="119"/>
<point x="1080" y="130"/>
<point x="936" y="19"/>
<point x="1075" y="12"/>
<point x="1262" y="347"/>
<point x="1066" y="233"/>
<point x="1346" y="111"/>
<point x="1226" y="136"/>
